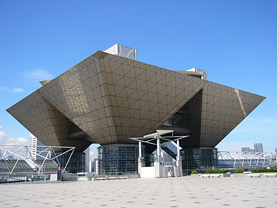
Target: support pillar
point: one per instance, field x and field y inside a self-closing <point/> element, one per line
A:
<point x="140" y="159"/>
<point x="158" y="164"/>
<point x="179" y="169"/>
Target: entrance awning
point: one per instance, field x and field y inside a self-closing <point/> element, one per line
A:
<point x="158" y="133"/>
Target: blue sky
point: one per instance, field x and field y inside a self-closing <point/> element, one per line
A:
<point x="235" y="41"/>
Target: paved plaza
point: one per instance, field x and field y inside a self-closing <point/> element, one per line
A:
<point x="167" y="192"/>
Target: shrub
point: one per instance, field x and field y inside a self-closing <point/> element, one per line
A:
<point x="215" y="171"/>
<point x="194" y="172"/>
<point x="264" y="170"/>
<point x="239" y="171"/>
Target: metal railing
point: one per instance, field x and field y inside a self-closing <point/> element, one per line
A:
<point x="228" y="159"/>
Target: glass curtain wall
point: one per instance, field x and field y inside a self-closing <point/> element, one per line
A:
<point x="76" y="164"/>
<point x="200" y="159"/>
<point x="118" y="159"/>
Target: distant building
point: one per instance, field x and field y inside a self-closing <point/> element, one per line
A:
<point x="258" y="147"/>
<point x="245" y="149"/>
<point x="37" y="148"/>
<point x="33" y="146"/>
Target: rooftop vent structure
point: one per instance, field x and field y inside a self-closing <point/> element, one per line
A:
<point x="122" y="51"/>
<point x="195" y="72"/>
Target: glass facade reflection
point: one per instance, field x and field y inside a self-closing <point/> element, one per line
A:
<point x="200" y="159"/>
<point x="118" y="159"/>
<point x="76" y="164"/>
<point x="179" y="119"/>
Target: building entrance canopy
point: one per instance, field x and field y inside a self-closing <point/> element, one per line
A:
<point x="162" y="135"/>
<point x="166" y="142"/>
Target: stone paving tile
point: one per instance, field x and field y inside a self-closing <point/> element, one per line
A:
<point x="168" y="192"/>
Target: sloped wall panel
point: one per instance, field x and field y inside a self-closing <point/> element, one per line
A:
<point x="80" y="95"/>
<point x="223" y="108"/>
<point x="142" y="97"/>
<point x="32" y="113"/>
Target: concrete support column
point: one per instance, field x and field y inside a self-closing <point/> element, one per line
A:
<point x="140" y="154"/>
<point x="178" y="148"/>
<point x="159" y="163"/>
<point x="158" y="147"/>
<point x="179" y="169"/>
<point x="159" y="167"/>
<point x="140" y="164"/>
<point x="140" y="159"/>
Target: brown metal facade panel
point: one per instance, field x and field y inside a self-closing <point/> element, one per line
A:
<point x="194" y="112"/>
<point x="80" y="95"/>
<point x="112" y="98"/>
<point x="142" y="97"/>
<point x="32" y="113"/>
<point x="223" y="108"/>
<point x="61" y="127"/>
<point x="45" y="122"/>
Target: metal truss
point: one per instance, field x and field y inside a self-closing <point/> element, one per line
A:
<point x="246" y="160"/>
<point x="23" y="153"/>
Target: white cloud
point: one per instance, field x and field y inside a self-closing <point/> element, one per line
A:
<point x="18" y="90"/>
<point x="38" y="74"/>
<point x="6" y="139"/>
<point x="3" y="88"/>
<point x="14" y="90"/>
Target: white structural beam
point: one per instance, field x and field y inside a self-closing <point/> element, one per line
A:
<point x="140" y="152"/>
<point x="178" y="147"/>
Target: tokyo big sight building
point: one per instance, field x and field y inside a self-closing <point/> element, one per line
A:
<point x="110" y="97"/>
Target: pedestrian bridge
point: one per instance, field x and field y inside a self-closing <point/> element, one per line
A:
<point x="228" y="159"/>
